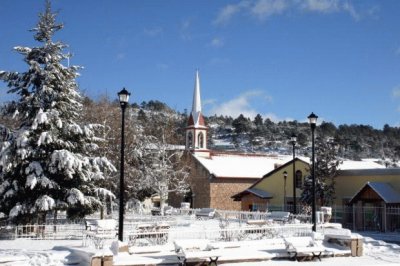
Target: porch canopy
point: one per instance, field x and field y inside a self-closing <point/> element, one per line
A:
<point x="255" y="191"/>
<point x="374" y="191"/>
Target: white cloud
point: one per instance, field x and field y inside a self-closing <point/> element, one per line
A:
<point x="266" y="8"/>
<point x="273" y="117"/>
<point x="350" y="9"/>
<point x="217" y="42"/>
<point x="153" y="32"/>
<point x="262" y="9"/>
<point x="227" y="12"/>
<point x="209" y="102"/>
<point x="322" y="6"/>
<point x="240" y="105"/>
<point x="330" y="6"/>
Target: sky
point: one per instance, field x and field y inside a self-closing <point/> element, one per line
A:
<point x="282" y="59"/>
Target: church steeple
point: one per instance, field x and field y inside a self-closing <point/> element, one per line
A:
<point x="196" y="131"/>
<point x="196" y="118"/>
<point x="196" y="106"/>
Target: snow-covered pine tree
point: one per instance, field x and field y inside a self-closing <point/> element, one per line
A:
<point x="326" y="167"/>
<point x="50" y="162"/>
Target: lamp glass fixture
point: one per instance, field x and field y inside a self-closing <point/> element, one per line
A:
<point x="293" y="138"/>
<point x="123" y="96"/>
<point x="312" y="118"/>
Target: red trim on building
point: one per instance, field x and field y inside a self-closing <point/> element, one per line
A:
<point x="190" y="120"/>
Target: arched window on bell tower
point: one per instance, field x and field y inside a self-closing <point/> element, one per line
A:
<point x="200" y="140"/>
<point x="189" y="144"/>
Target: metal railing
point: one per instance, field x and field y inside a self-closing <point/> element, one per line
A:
<point x="239" y="233"/>
<point x="46" y="231"/>
<point x="355" y="218"/>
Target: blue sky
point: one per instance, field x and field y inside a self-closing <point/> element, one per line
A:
<point x="280" y="58"/>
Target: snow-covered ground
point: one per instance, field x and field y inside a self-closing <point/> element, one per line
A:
<point x="72" y="252"/>
<point x="59" y="252"/>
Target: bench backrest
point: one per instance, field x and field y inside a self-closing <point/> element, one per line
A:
<point x="207" y="211"/>
<point x="303" y="241"/>
<point x="103" y="224"/>
<point x="279" y="215"/>
<point x="191" y="244"/>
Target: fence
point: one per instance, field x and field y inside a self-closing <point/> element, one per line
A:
<point x="50" y="231"/>
<point x="239" y="233"/>
<point x="242" y="216"/>
<point x="368" y="218"/>
<point x="355" y="218"/>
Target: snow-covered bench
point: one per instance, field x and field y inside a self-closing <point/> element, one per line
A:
<point x="303" y="247"/>
<point x="99" y="230"/>
<point x="153" y="234"/>
<point x="196" y="250"/>
<point x="279" y="216"/>
<point x="205" y="213"/>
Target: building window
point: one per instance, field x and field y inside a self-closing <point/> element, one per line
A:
<point x="189" y="140"/>
<point x="201" y="140"/>
<point x="299" y="179"/>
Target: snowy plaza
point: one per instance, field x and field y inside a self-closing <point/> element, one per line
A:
<point x="237" y="239"/>
<point x="245" y="177"/>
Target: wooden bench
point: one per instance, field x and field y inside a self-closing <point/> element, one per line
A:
<point x="279" y="216"/>
<point x="97" y="231"/>
<point x="205" y="213"/>
<point x="151" y="234"/>
<point x="298" y="247"/>
<point x="196" y="250"/>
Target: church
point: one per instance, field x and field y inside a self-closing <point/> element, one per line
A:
<point x="216" y="176"/>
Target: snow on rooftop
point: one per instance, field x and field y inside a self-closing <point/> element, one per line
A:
<point x="256" y="166"/>
<point x="218" y="142"/>
<point x="242" y="165"/>
<point x="357" y="165"/>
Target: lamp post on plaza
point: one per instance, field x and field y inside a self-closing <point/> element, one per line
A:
<point x="284" y="190"/>
<point x="293" y="140"/>
<point x="123" y="96"/>
<point x="313" y="123"/>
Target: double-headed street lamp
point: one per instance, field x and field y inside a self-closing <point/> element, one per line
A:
<point x="293" y="140"/>
<point x="313" y="123"/>
<point x="123" y="96"/>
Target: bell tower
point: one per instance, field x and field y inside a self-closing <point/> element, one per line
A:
<point x="196" y="130"/>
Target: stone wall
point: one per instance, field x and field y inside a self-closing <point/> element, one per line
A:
<point x="209" y="191"/>
<point x="222" y="190"/>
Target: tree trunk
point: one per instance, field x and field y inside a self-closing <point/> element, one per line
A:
<point x="55" y="220"/>
<point x="162" y="203"/>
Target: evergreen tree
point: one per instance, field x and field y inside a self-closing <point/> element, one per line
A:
<point x="49" y="164"/>
<point x="326" y="165"/>
<point x="241" y="124"/>
<point x="258" y="121"/>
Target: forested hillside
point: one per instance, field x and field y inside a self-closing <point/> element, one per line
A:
<point x="243" y="134"/>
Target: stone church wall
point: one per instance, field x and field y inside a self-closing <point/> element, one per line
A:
<point x="222" y="189"/>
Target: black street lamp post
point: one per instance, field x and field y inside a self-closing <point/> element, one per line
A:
<point x="293" y="140"/>
<point x="123" y="96"/>
<point x="313" y="122"/>
<point x="284" y="190"/>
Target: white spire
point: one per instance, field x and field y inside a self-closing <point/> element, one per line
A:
<point x="196" y="106"/>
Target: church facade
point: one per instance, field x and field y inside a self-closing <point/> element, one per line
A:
<point x="215" y="176"/>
